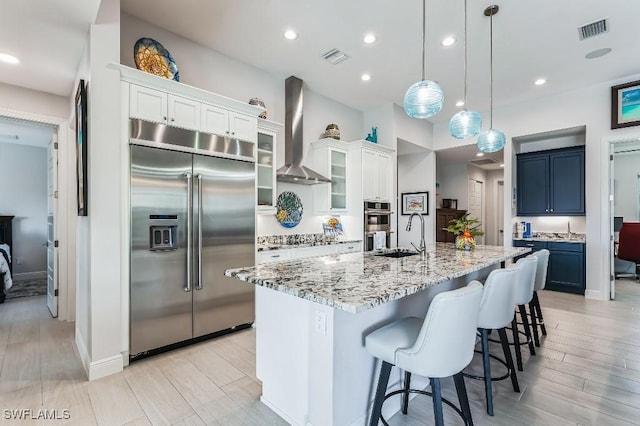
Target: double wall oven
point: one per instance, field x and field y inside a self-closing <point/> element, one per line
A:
<point x="377" y="217"/>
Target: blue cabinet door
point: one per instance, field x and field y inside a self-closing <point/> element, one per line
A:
<point x="533" y="185"/>
<point x="566" y="183"/>
<point x="566" y="272"/>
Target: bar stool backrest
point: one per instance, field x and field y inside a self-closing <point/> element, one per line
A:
<point x="526" y="279"/>
<point x="541" y="271"/>
<point x="496" y="307"/>
<point x="444" y="346"/>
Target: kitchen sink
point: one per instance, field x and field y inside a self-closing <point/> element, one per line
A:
<point x="397" y="254"/>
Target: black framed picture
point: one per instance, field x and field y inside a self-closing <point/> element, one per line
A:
<point x="81" y="147"/>
<point x="415" y="202"/>
<point x="625" y="105"/>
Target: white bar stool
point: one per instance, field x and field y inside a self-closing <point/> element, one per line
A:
<point x="535" y="312"/>
<point x="496" y="312"/>
<point x="523" y="295"/>
<point x="440" y="345"/>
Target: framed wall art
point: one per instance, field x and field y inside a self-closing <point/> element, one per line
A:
<point x="81" y="147"/>
<point x="415" y="202"/>
<point x="625" y="105"/>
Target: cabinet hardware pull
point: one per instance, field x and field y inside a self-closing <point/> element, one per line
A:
<point x="199" y="283"/>
<point x="164" y="118"/>
<point x="551" y="209"/>
<point x="350" y="247"/>
<point x="173" y="119"/>
<point x="274" y="256"/>
<point x="187" y="175"/>
<point x="530" y="245"/>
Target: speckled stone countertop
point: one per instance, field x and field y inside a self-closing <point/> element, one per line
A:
<point x="293" y="241"/>
<point x="355" y="282"/>
<point x="556" y="237"/>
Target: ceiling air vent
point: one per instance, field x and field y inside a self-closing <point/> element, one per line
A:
<point x="8" y="136"/>
<point x="593" y="29"/>
<point x="483" y="161"/>
<point x="335" y="56"/>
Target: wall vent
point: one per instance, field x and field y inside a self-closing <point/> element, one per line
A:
<point x="335" y="56"/>
<point x="593" y="29"/>
<point x="9" y="136"/>
<point x="483" y="161"/>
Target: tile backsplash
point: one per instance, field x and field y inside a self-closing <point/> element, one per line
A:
<point x="553" y="224"/>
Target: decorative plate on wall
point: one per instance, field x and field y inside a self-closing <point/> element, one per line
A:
<point x="288" y="209"/>
<point x="152" y="57"/>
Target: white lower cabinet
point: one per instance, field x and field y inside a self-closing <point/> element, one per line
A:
<point x="283" y="255"/>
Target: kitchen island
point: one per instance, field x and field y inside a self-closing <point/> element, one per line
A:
<point x="312" y="315"/>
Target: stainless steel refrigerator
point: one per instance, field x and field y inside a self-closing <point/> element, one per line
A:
<point x="192" y="217"/>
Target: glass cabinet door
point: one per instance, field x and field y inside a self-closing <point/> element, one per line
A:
<point x="265" y="169"/>
<point x="338" y="179"/>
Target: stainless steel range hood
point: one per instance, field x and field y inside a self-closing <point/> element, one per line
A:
<point x="293" y="171"/>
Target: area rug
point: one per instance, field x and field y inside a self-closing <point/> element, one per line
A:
<point x="27" y="288"/>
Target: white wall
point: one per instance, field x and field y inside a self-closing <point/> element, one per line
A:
<point x="588" y="106"/>
<point x="454" y="183"/>
<point x="416" y="173"/>
<point x="33" y="101"/>
<point x="626" y="186"/>
<point x="23" y="185"/>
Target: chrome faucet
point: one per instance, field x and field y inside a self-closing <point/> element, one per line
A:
<point x="423" y="247"/>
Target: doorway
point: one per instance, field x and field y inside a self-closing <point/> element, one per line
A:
<point x="624" y="201"/>
<point x="30" y="193"/>
<point x="499" y="213"/>
<point x="476" y="204"/>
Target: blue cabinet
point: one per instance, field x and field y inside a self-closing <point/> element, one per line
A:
<point x="551" y="183"/>
<point x="566" y="270"/>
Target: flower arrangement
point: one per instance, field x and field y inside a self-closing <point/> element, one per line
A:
<point x="465" y="229"/>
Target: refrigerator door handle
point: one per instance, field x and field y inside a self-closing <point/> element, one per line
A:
<point x="199" y="283"/>
<point x="187" y="175"/>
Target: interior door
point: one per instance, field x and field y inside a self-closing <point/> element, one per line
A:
<point x="52" y="205"/>
<point x="475" y="204"/>
<point x="500" y="220"/>
<point x="224" y="225"/>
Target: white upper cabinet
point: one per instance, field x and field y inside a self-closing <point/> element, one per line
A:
<point x="377" y="172"/>
<point x="330" y="160"/>
<point x="183" y="112"/>
<point x="148" y="104"/>
<point x="266" y="170"/>
<point x="229" y="123"/>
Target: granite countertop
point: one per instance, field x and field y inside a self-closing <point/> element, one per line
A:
<point x="556" y="237"/>
<point x="267" y="247"/>
<point x="355" y="282"/>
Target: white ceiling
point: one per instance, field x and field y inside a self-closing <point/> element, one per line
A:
<point x="466" y="153"/>
<point x="531" y="39"/>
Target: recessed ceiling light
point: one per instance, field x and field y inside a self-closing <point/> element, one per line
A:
<point x="290" y="35"/>
<point x="369" y="38"/>
<point x="501" y="165"/>
<point x="479" y="154"/>
<point x="598" y="53"/>
<point x="9" y="59"/>
<point x="540" y="82"/>
<point x="366" y="77"/>
<point x="460" y="103"/>
<point x="448" y="41"/>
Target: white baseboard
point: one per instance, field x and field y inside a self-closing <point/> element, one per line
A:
<point x="28" y="276"/>
<point x="593" y="294"/>
<point x="97" y="369"/>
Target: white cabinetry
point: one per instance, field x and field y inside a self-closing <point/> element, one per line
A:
<point x="266" y="171"/>
<point x="283" y="255"/>
<point x="161" y="107"/>
<point x="377" y="163"/>
<point x="330" y="160"/>
<point x="222" y="122"/>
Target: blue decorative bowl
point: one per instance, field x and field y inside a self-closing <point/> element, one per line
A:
<point x="150" y="56"/>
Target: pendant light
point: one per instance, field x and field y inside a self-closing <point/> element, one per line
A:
<point x="465" y="124"/>
<point x="491" y="140"/>
<point x="425" y="98"/>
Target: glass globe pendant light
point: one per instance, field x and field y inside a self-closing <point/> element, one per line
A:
<point x="465" y="124"/>
<point x="491" y="140"/>
<point x="425" y="98"/>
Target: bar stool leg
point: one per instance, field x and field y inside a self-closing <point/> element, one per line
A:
<point x="383" y="381"/>
<point x="536" y="301"/>
<point x="527" y="329"/>
<point x="436" y="396"/>
<point x="534" y="323"/>
<point x="461" y="390"/>
<point x="516" y="343"/>
<point x="487" y="370"/>
<point x="405" y="395"/>
<point x="507" y="356"/>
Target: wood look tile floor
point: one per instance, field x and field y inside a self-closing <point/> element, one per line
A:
<point x="587" y="372"/>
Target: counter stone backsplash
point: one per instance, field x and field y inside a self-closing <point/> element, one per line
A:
<point x="294" y="239"/>
<point x="560" y="236"/>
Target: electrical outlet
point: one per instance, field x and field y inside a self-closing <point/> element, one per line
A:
<point x="19" y="260"/>
<point x="320" y="323"/>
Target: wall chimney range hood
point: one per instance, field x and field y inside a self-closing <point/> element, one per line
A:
<point x="293" y="171"/>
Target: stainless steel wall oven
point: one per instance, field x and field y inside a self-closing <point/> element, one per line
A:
<point x="377" y="217"/>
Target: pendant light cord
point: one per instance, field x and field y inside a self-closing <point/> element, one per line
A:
<point x="465" y="56"/>
<point x="424" y="26"/>
<point x="491" y="74"/>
